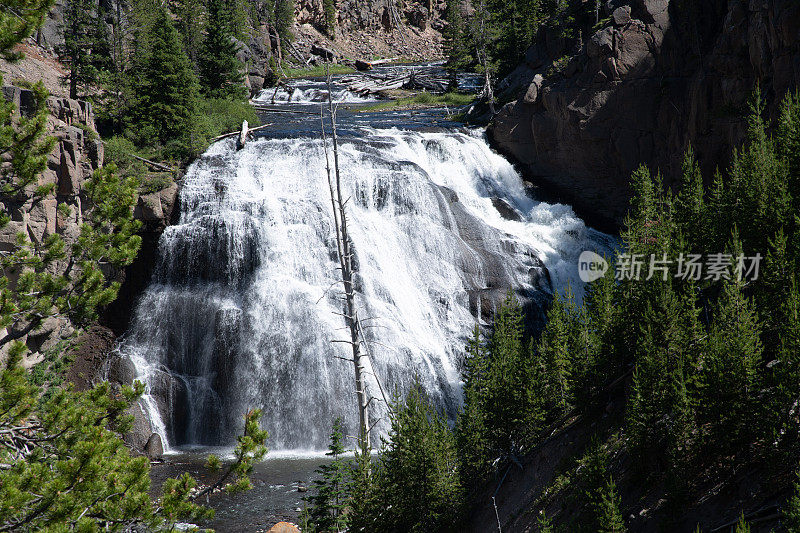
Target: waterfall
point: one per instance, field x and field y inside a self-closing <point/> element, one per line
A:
<point x="243" y="305"/>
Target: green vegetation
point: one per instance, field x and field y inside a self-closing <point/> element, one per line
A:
<point x="329" y="8"/>
<point x="84" y="46"/>
<point x="701" y="389"/>
<point x="493" y="39"/>
<point x="329" y="503"/>
<point x="166" y="89"/>
<point x="221" y="73"/>
<point x="413" y="486"/>
<point x="424" y="99"/>
<point x="158" y="74"/>
<point x="63" y="464"/>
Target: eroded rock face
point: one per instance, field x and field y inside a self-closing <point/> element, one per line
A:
<point x="77" y="153"/>
<point x="660" y="75"/>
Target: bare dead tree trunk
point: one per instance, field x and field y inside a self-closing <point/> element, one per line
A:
<point x="483" y="59"/>
<point x="345" y="253"/>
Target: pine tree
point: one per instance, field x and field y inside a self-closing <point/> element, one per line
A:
<point x="789" y="144"/>
<point x="689" y="205"/>
<point x="512" y="412"/>
<point x="593" y="362"/>
<point x="555" y="354"/>
<point x="220" y="71"/>
<point x="729" y="368"/>
<point x="741" y="526"/>
<point x="758" y="192"/>
<point x="364" y="498"/>
<point x="86" y="47"/>
<point x="165" y="84"/>
<point x="718" y="226"/>
<point x="416" y="482"/>
<point x="772" y="288"/>
<point x="65" y="466"/>
<point x="472" y="438"/>
<point x="517" y="22"/>
<point x="329" y="10"/>
<point x="284" y="18"/>
<point x="786" y="378"/>
<point x="602" y="502"/>
<point x="456" y="40"/>
<point x="609" y="517"/>
<point x="659" y="413"/>
<point x="790" y="513"/>
<point x="544" y="523"/>
<point x="18" y="20"/>
<point x="191" y="24"/>
<point x="328" y="506"/>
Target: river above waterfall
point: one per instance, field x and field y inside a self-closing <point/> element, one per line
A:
<point x="243" y="309"/>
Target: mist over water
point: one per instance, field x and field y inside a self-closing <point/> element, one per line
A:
<point x="243" y="306"/>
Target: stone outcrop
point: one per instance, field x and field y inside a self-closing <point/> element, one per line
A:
<point x="359" y="15"/>
<point x="77" y="153"/>
<point x="657" y="76"/>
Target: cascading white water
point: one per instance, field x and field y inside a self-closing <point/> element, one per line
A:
<point x="309" y="92"/>
<point x="243" y="306"/>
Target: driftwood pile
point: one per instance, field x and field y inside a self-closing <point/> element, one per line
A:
<point x="367" y="84"/>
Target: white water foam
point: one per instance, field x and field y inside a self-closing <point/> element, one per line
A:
<point x="310" y="92"/>
<point x="243" y="304"/>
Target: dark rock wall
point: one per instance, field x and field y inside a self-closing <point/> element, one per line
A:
<point x="657" y="76"/>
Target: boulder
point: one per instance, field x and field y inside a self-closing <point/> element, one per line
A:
<point x="139" y="435"/>
<point x="154" y="449"/>
<point x="324" y="53"/>
<point x="621" y="15"/>
<point x="284" y="527"/>
<point x="121" y="370"/>
<point x="532" y="94"/>
<point x="148" y="208"/>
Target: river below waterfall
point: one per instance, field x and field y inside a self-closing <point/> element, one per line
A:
<point x="242" y="310"/>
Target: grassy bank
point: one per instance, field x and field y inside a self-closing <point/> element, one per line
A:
<point x="422" y="100"/>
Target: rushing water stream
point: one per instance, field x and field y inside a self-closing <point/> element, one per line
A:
<point x="243" y="306"/>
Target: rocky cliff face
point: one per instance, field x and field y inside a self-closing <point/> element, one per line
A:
<point x="76" y="155"/>
<point x="657" y="76"/>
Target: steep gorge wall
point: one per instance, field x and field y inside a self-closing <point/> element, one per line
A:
<point x="658" y="76"/>
<point x="77" y="153"/>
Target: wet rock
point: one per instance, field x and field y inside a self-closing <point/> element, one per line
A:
<point x="121" y="370"/>
<point x="658" y="77"/>
<point x="139" y="435"/>
<point x="154" y="449"/>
